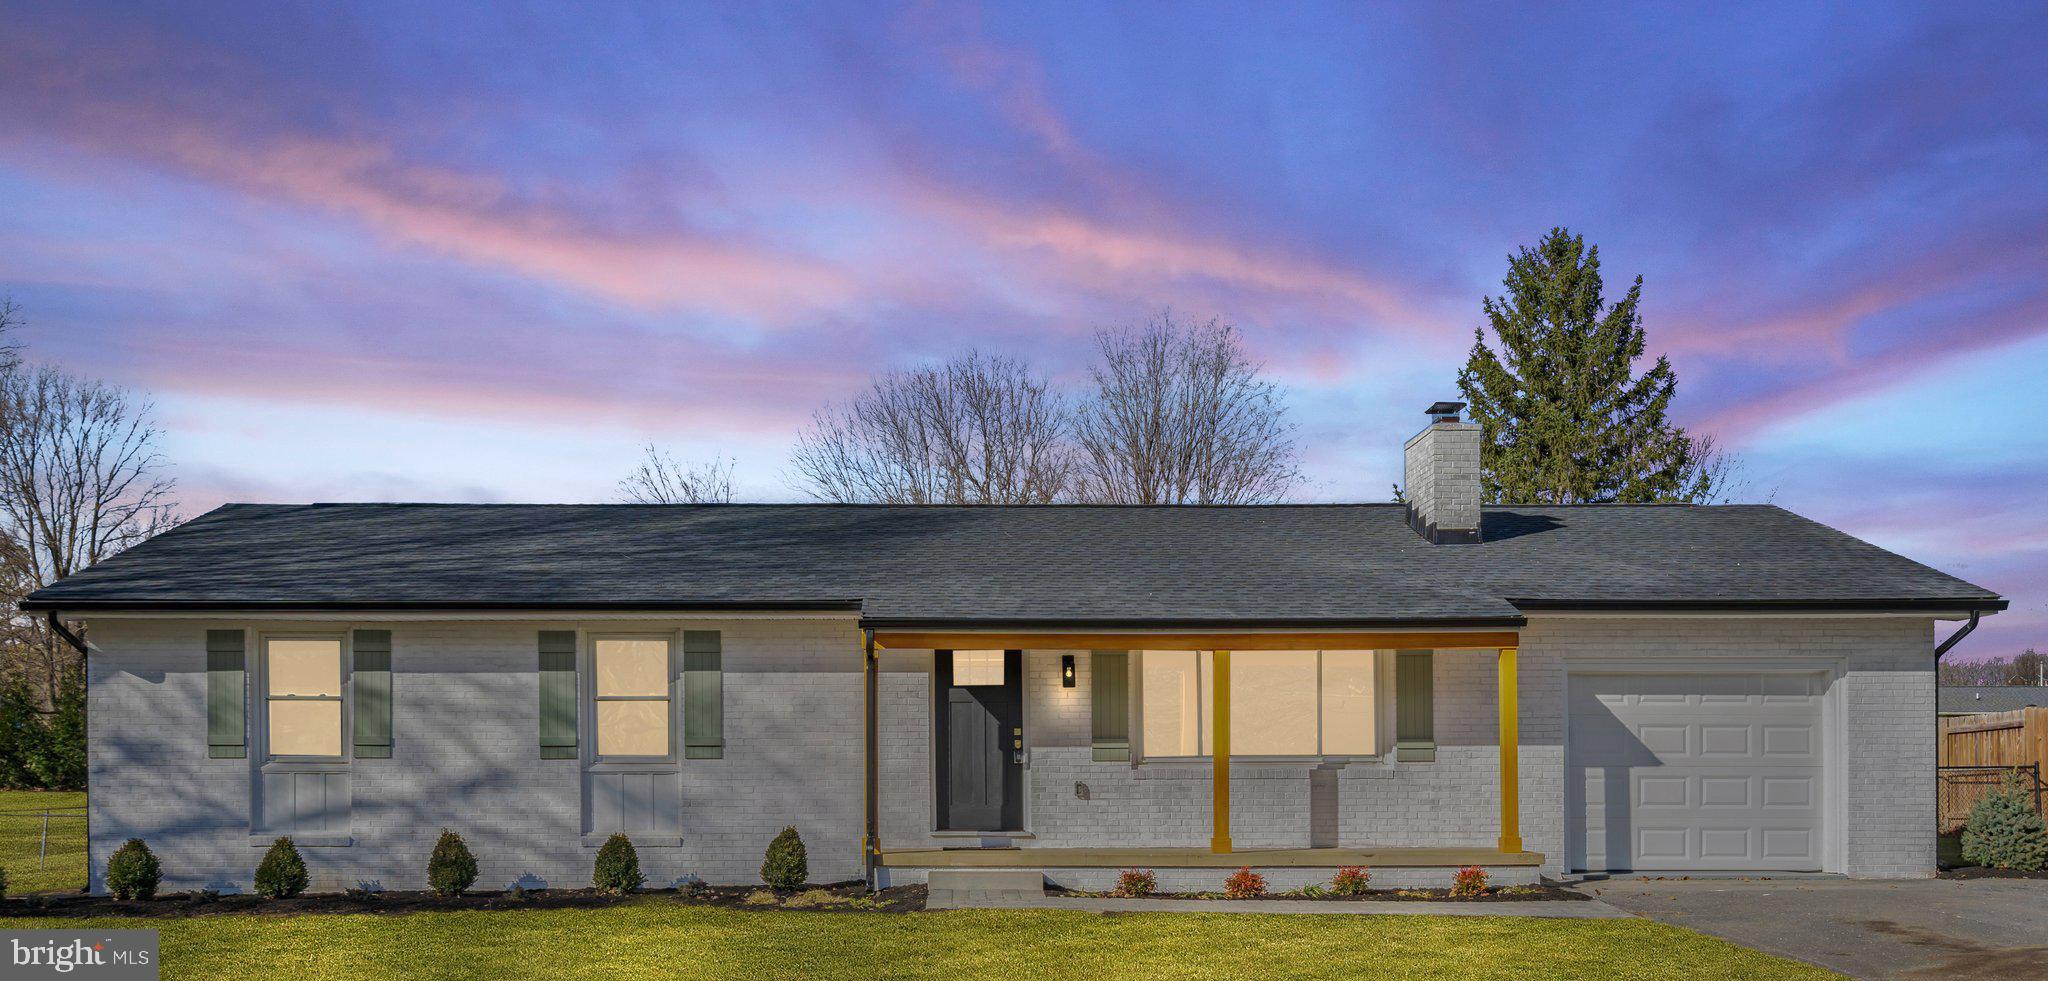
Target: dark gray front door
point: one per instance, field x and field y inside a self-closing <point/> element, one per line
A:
<point x="981" y="742"/>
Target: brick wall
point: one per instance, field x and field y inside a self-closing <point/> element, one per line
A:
<point x="465" y="755"/>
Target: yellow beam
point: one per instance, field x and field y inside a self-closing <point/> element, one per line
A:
<point x="1219" y="741"/>
<point x="1295" y="641"/>
<point x="1510" y="755"/>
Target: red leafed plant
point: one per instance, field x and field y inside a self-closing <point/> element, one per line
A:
<point x="1136" y="882"/>
<point x="1468" y="881"/>
<point x="1244" y="884"/>
<point x="1350" y="880"/>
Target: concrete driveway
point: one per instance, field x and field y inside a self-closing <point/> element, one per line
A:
<point x="1920" y="928"/>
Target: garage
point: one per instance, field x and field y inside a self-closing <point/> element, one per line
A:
<point x="1695" y="771"/>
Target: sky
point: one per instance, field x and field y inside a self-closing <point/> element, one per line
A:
<point x="465" y="252"/>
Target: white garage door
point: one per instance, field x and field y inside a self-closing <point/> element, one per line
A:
<point x="1694" y="771"/>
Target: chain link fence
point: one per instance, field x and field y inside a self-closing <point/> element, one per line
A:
<point x="43" y="848"/>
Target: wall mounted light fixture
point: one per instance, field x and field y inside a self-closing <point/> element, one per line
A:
<point x="1066" y="670"/>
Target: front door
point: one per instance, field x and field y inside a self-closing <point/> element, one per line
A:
<point x="980" y="720"/>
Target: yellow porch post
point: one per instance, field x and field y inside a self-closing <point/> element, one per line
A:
<point x="1510" y="756"/>
<point x="1219" y="741"/>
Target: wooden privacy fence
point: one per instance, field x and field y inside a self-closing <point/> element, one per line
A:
<point x="1975" y="749"/>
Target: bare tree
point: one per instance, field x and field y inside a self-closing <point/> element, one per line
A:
<point x="80" y="480"/>
<point x="662" y="479"/>
<point x="1181" y="416"/>
<point x="976" y="430"/>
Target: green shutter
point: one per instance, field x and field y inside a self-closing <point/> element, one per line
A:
<point x="1109" y="701"/>
<point x="703" y="696"/>
<point x="372" y="683"/>
<point x="558" y="694"/>
<point x="227" y="697"/>
<point x="1414" y="707"/>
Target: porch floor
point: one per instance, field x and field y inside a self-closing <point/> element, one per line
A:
<point x="1086" y="858"/>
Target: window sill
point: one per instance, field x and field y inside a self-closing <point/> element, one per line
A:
<point x="305" y="766"/>
<point x="636" y="766"/>
<point x="639" y="841"/>
<point x="982" y="834"/>
<point x="303" y="841"/>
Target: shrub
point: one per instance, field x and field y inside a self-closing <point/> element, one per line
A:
<point x="2004" y="831"/>
<point x="1468" y="881"/>
<point x="451" y="869"/>
<point x="1244" y="884"/>
<point x="1136" y="882"/>
<point x="1350" y="880"/>
<point x="133" y="872"/>
<point x="785" y="867"/>
<point x="282" y="873"/>
<point x="618" y="866"/>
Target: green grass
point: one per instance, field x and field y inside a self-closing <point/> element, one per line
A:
<point x="21" y="828"/>
<point x="659" y="937"/>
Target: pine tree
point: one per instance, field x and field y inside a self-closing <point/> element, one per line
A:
<point x="2004" y="831"/>
<point x="1567" y="420"/>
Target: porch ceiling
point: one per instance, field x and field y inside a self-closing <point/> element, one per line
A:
<point x="1085" y="858"/>
<point x="1275" y="640"/>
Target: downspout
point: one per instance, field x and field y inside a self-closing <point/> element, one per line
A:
<point x="77" y="643"/>
<point x="870" y="840"/>
<point x="1940" y="650"/>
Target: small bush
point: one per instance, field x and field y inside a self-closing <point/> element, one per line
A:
<point x="759" y="897"/>
<point x="451" y="869"/>
<point x="785" y="868"/>
<point x="618" y="866"/>
<point x="2004" y="831"/>
<point x="1244" y="884"/>
<point x="1350" y="880"/>
<point x="133" y="872"/>
<point x="1468" y="881"/>
<point x="1136" y="883"/>
<point x="282" y="873"/>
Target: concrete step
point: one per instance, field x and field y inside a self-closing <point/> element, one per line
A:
<point x="1031" y="881"/>
<point x="971" y="888"/>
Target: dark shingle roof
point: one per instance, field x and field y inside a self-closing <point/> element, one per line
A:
<point x="1284" y="563"/>
<point x="1968" y="699"/>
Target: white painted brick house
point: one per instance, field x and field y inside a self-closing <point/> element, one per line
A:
<point x="1677" y="688"/>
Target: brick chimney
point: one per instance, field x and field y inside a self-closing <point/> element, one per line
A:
<point x="1442" y="477"/>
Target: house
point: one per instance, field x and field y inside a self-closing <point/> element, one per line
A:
<point x="1067" y="689"/>
<point x="1981" y="699"/>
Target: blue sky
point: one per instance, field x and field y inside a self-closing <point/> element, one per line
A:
<point x="458" y="252"/>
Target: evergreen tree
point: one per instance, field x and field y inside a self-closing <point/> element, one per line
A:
<point x="2004" y="831"/>
<point x="1567" y="420"/>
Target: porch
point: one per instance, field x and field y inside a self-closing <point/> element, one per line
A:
<point x="1133" y="796"/>
<point x="1201" y="858"/>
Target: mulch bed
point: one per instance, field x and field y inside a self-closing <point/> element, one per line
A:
<point x="1974" y="872"/>
<point x="1509" y="894"/>
<point x="850" y="897"/>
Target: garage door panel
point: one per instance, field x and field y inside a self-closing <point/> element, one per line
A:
<point x="1692" y="771"/>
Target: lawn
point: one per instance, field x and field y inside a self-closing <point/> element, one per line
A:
<point x="660" y="937"/>
<point x="21" y="827"/>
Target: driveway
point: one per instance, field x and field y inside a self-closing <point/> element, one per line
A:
<point x="1918" y="928"/>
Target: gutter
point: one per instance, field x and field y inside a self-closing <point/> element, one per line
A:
<point x="1185" y="624"/>
<point x="33" y="605"/>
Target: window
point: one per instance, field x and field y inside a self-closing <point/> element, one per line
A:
<point x="302" y="696"/>
<point x="631" y="688"/>
<point x="977" y="668"/>
<point x="1282" y="703"/>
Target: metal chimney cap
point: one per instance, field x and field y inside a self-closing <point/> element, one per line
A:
<point x="1445" y="411"/>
